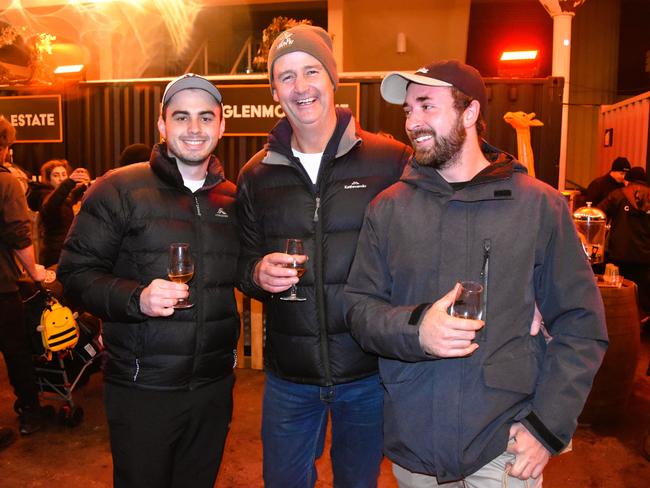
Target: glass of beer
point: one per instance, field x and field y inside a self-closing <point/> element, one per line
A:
<point x="180" y="268"/>
<point x="294" y="247"/>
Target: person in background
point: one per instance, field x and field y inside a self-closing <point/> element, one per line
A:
<point x="478" y="401"/>
<point x="312" y="181"/>
<point x="602" y="186"/>
<point x="628" y="210"/>
<point x="134" y="153"/>
<point x="58" y="209"/>
<point x="169" y="371"/>
<point x="16" y="247"/>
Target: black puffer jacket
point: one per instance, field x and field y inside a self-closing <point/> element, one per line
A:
<point x="118" y="244"/>
<point x="309" y="342"/>
<point x="629" y="211"/>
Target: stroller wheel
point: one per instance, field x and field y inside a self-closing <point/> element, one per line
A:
<point x="70" y="417"/>
<point x="76" y="416"/>
<point x="48" y="412"/>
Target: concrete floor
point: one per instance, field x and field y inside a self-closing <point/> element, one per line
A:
<point x="605" y="456"/>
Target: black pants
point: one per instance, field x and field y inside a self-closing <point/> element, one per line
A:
<point x="16" y="349"/>
<point x="165" y="439"/>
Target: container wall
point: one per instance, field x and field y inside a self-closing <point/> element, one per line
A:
<point x="624" y="131"/>
<point x="100" y="119"/>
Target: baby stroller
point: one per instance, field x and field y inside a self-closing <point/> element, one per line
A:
<point x="60" y="372"/>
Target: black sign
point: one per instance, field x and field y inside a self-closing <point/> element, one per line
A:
<point x="36" y="118"/>
<point x="250" y="110"/>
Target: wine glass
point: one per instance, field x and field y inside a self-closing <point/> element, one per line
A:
<point x="295" y="247"/>
<point x="180" y="268"/>
<point x="468" y="301"/>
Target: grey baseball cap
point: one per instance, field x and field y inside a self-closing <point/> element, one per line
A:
<point x="442" y="73"/>
<point x="186" y="82"/>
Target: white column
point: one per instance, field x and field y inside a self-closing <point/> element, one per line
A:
<point x="562" y="67"/>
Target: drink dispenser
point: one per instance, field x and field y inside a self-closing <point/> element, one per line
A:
<point x="592" y="229"/>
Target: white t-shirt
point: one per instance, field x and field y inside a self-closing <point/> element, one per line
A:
<point x="311" y="163"/>
<point x="194" y="185"/>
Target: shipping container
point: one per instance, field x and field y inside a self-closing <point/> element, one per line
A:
<point x="624" y="131"/>
<point x="101" y="118"/>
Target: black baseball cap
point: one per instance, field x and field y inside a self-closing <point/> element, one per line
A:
<point x="621" y="164"/>
<point x="462" y="76"/>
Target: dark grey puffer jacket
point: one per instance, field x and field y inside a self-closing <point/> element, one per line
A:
<point x="309" y="342"/>
<point x="118" y="244"/>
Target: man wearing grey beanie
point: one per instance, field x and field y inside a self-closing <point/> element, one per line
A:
<point x="312" y="181"/>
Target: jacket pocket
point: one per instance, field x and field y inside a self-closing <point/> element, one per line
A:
<point x="518" y="374"/>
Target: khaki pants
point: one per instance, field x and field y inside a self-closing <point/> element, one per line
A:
<point x="492" y="475"/>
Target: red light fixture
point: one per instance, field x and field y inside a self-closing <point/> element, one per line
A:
<point x="519" y="64"/>
<point x="518" y="55"/>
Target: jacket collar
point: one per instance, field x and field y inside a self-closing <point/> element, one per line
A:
<point x="501" y="169"/>
<point x="345" y="137"/>
<point x="165" y="167"/>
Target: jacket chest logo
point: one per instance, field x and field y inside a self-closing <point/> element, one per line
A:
<point x="354" y="185"/>
<point x="221" y="213"/>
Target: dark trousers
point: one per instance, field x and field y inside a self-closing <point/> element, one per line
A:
<point x="165" y="439"/>
<point x="16" y="349"/>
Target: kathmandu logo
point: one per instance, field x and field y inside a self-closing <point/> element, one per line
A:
<point x="354" y="185"/>
<point x="285" y="40"/>
<point x="221" y="213"/>
<point x="423" y="70"/>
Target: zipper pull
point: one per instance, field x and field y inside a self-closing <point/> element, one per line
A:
<point x="197" y="206"/>
<point x="137" y="369"/>
<point x="487" y="243"/>
<point x="317" y="208"/>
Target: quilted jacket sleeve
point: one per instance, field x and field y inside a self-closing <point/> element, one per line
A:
<point x="89" y="253"/>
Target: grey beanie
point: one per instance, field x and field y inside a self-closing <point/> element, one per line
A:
<point x="310" y="39"/>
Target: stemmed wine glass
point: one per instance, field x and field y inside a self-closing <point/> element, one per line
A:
<point x="295" y="247"/>
<point x="180" y="268"/>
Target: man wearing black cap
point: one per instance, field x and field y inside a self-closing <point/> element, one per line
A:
<point x="313" y="181"/>
<point x="602" y="186"/>
<point x="470" y="401"/>
<point x="168" y="388"/>
<point x="628" y="209"/>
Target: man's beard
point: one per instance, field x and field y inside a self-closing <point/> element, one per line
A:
<point x="444" y="151"/>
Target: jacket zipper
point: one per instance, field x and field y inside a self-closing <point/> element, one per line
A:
<point x="197" y="279"/>
<point x="317" y="208"/>
<point x="485" y="269"/>
<point x="320" y="299"/>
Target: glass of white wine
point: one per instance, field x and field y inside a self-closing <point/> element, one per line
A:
<point x="295" y="247"/>
<point x="180" y="268"/>
<point x="468" y="303"/>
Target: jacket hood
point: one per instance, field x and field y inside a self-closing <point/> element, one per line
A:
<point x="503" y="166"/>
<point x="638" y="196"/>
<point x="343" y="139"/>
<point x="165" y="167"/>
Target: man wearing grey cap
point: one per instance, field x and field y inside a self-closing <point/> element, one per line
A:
<point x="472" y="399"/>
<point x="169" y="370"/>
<point x="312" y="181"/>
